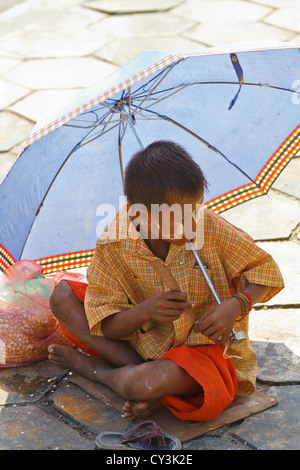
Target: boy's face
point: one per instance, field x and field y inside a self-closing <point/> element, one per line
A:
<point x="175" y="222"/>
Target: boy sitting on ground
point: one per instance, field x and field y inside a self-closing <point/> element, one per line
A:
<point x="141" y="341"/>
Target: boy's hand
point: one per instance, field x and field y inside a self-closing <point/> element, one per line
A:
<point x="218" y="323"/>
<point x="166" y="306"/>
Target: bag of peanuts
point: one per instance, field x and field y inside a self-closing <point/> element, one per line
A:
<point x="27" y="326"/>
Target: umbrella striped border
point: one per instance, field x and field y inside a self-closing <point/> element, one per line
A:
<point x="77" y="259"/>
<point x="264" y="179"/>
<point x="6" y="259"/>
<point x="170" y="59"/>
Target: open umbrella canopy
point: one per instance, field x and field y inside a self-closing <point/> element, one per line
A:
<point x="235" y="111"/>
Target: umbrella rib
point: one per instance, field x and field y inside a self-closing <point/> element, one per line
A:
<point x="156" y="85"/>
<point x="120" y="151"/>
<point x="210" y="146"/>
<point x="94" y="122"/>
<point x="100" y="134"/>
<point x="103" y="131"/>
<point x="94" y="126"/>
<point x="164" y="72"/>
<point x="184" y="85"/>
<point x="162" y="98"/>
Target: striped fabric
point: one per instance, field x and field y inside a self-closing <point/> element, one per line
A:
<point x="121" y="276"/>
<point x="264" y="180"/>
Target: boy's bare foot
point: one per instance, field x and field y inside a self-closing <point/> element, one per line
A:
<point x="140" y="409"/>
<point x="69" y="357"/>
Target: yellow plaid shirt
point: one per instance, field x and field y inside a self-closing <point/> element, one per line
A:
<point x="120" y="276"/>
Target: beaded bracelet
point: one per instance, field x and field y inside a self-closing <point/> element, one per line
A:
<point x="245" y="303"/>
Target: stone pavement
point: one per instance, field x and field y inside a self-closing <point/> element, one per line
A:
<point x="52" y="48"/>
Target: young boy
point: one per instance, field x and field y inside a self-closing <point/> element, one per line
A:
<point x="141" y="338"/>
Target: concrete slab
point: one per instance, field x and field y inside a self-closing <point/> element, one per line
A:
<point x="131" y="6"/>
<point x="35" y="105"/>
<point x="217" y="442"/>
<point x="219" y="12"/>
<point x="10" y="92"/>
<point x="280" y="3"/>
<point x="44" y="16"/>
<point x="288" y="18"/>
<point x="120" y="51"/>
<point x="143" y="25"/>
<point x="28" y="384"/>
<point x="217" y="34"/>
<point x="82" y="408"/>
<point x="59" y="73"/>
<point x="287" y="255"/>
<point x="5" y="4"/>
<point x="31" y="428"/>
<point x="276" y="428"/>
<point x="13" y="130"/>
<point x="273" y="216"/>
<point x="276" y="326"/>
<point x="277" y="364"/>
<point x="289" y="180"/>
<point x="7" y="63"/>
<point x="67" y="42"/>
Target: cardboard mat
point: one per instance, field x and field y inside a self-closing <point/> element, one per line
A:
<point x="240" y="408"/>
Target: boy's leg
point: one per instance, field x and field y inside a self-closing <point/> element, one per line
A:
<point x="140" y="385"/>
<point x="69" y="310"/>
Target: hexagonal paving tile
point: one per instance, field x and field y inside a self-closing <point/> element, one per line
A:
<point x="10" y="92"/>
<point x="132" y="6"/>
<point x="287" y="255"/>
<point x="37" y="103"/>
<point x="277" y="325"/>
<point x="288" y="18"/>
<point x="288" y="181"/>
<point x="68" y="42"/>
<point x="13" y="130"/>
<point x="59" y="73"/>
<point x="260" y="217"/>
<point x="121" y="51"/>
<point x="218" y="34"/>
<point x="221" y="11"/>
<point x="143" y="25"/>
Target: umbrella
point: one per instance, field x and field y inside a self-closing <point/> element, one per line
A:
<point x="234" y="110"/>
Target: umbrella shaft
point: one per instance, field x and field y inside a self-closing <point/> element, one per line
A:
<point x="132" y="125"/>
<point x="138" y="138"/>
<point x="235" y="336"/>
<point x="204" y="272"/>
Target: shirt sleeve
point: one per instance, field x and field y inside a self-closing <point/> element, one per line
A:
<point x="104" y="294"/>
<point x="246" y="263"/>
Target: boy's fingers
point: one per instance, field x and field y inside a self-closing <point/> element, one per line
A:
<point x="179" y="305"/>
<point x="172" y="315"/>
<point x="175" y="295"/>
<point x="202" y="325"/>
<point x="174" y="300"/>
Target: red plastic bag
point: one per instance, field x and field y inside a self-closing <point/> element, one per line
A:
<point x="27" y="325"/>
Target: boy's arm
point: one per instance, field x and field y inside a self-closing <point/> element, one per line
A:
<point x="219" y="322"/>
<point x="163" y="307"/>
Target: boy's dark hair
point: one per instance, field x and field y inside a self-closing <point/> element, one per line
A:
<point x="161" y="171"/>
